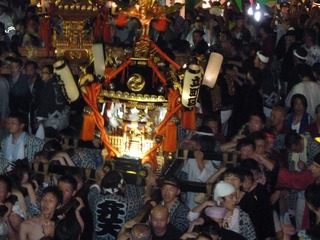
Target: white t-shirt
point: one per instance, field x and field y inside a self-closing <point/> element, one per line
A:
<point x="195" y="175"/>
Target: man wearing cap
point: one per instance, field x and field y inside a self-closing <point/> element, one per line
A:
<point x="235" y="219"/>
<point x="170" y="191"/>
<point x="286" y="39"/>
<point x="239" y="31"/>
<point x="269" y="84"/>
<point x="198" y="25"/>
<point x="6" y="19"/>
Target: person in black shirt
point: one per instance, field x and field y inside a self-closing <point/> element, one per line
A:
<point x="161" y="228"/>
<point x="200" y="45"/>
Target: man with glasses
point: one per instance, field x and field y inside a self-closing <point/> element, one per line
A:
<point x="53" y="111"/>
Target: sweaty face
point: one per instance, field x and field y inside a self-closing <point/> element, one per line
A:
<point x="169" y="193"/>
<point x="49" y="203"/>
<point x="67" y="191"/>
<point x="255" y="124"/>
<point x="159" y="221"/>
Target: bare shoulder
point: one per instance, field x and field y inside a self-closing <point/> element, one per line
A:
<point x="30" y="224"/>
<point x="31" y="229"/>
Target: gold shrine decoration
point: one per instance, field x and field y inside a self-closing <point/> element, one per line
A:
<point x="74" y="41"/>
<point x="136" y="82"/>
<point x="90" y="95"/>
<point x="147" y="10"/>
<point x="173" y="107"/>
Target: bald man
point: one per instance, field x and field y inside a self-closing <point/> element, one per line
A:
<point x="141" y="231"/>
<point x="161" y="228"/>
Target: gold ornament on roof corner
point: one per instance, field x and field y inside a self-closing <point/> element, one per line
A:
<point x="136" y="82"/>
<point x="147" y="10"/>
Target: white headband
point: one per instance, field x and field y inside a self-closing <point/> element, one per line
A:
<point x="114" y="190"/>
<point x="298" y="56"/>
<point x="262" y="58"/>
<point x="204" y="134"/>
<point x="222" y="189"/>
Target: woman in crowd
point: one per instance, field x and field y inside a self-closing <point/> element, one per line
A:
<point x="298" y="119"/>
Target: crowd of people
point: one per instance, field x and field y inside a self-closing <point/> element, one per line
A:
<point x="265" y="107"/>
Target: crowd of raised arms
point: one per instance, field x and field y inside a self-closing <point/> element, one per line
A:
<point x="265" y="107"/>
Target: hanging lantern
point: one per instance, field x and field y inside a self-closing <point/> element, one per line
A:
<point x="65" y="77"/>
<point x="98" y="55"/>
<point x="212" y="70"/>
<point x="191" y="85"/>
